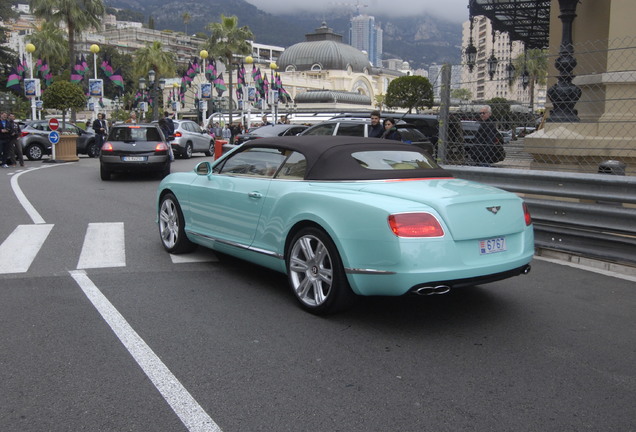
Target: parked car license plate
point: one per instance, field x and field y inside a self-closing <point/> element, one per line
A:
<point x="134" y="158"/>
<point x="493" y="245"/>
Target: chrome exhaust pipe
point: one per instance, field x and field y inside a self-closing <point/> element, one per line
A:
<point x="526" y="269"/>
<point x="426" y="291"/>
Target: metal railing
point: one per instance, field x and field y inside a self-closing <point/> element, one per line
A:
<point x="590" y="215"/>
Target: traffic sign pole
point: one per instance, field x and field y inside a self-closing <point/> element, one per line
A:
<point x="54" y="124"/>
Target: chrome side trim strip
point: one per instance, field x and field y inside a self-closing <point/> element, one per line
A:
<point x="237" y="245"/>
<point x="367" y="271"/>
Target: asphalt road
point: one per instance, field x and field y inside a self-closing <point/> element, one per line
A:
<point x="132" y="340"/>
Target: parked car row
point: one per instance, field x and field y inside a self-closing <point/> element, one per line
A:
<point x="35" y="139"/>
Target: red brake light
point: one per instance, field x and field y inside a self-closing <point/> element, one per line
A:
<point x="177" y="134"/>
<point x="23" y="134"/>
<point x="526" y="214"/>
<point x="107" y="147"/>
<point x="161" y="147"/>
<point x="415" y="225"/>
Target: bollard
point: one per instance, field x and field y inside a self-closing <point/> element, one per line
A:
<point x="613" y="167"/>
<point x="218" y="148"/>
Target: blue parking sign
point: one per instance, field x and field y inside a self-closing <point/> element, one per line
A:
<point x="54" y="137"/>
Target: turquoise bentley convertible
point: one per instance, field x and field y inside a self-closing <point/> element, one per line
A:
<point x="347" y="216"/>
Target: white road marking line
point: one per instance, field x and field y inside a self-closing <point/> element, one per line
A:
<point x="180" y="400"/>
<point x="103" y="246"/>
<point x="19" y="250"/>
<point x="199" y="255"/>
<point x="31" y="211"/>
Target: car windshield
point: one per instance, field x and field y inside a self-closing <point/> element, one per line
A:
<point x="134" y="133"/>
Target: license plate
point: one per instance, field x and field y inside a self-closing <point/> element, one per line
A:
<point x="134" y="158"/>
<point x="492" y="245"/>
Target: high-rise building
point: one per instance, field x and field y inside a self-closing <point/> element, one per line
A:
<point x="366" y="36"/>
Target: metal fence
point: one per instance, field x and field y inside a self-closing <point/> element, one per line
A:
<point x="603" y="139"/>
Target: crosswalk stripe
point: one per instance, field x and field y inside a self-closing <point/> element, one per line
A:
<point x="198" y="256"/>
<point x="103" y="246"/>
<point x="18" y="251"/>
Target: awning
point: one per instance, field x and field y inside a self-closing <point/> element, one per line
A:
<point x="524" y="20"/>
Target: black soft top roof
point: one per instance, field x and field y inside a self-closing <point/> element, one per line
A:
<point x="329" y="157"/>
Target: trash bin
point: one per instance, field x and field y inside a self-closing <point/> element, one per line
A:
<point x="218" y="148"/>
<point x="613" y="167"/>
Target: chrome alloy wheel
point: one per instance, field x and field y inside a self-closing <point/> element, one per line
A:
<point x="311" y="270"/>
<point x="169" y="223"/>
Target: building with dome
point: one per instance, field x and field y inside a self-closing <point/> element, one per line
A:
<point x="323" y="73"/>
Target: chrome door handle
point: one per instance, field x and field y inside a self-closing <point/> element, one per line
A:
<point x="255" y="195"/>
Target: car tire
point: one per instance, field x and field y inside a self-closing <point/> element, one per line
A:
<point x="172" y="226"/>
<point x="34" y="152"/>
<point x="92" y="151"/>
<point x="187" y="153"/>
<point x="104" y="173"/>
<point x="316" y="274"/>
<point x="210" y="151"/>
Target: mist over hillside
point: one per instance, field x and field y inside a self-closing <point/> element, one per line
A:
<point x="420" y="40"/>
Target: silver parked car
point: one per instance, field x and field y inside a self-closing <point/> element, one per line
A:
<point x="35" y="139"/>
<point x="190" y="138"/>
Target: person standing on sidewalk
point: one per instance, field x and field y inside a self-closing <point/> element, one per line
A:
<point x="6" y="135"/>
<point x="15" y="148"/>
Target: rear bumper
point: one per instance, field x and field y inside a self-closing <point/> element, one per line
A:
<point x="153" y="163"/>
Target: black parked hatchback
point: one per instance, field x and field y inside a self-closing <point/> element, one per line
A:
<point x="135" y="148"/>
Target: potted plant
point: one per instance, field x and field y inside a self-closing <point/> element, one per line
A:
<point x="64" y="96"/>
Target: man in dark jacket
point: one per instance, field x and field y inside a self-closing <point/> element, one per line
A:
<point x="6" y="135"/>
<point x="376" y="130"/>
<point x="484" y="150"/>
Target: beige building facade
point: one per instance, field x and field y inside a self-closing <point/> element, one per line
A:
<point x="604" y="42"/>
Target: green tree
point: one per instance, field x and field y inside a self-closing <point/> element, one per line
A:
<point x="123" y="62"/>
<point x="461" y="94"/>
<point x="51" y="44"/>
<point x="7" y="55"/>
<point x="78" y="15"/>
<point x="227" y="40"/>
<point x="154" y="57"/>
<point x="500" y="111"/>
<point x="64" y="96"/>
<point x="411" y="92"/>
<point x="535" y="62"/>
<point x="186" y="17"/>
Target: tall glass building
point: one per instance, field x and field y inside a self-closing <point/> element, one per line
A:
<point x="366" y="36"/>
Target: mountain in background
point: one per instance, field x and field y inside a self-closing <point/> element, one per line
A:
<point x="421" y="40"/>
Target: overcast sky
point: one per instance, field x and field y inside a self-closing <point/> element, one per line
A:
<point x="454" y="10"/>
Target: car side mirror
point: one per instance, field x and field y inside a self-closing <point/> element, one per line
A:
<point x="204" y="168"/>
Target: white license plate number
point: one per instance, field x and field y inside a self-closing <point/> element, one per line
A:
<point x="492" y="245"/>
<point x="134" y="158"/>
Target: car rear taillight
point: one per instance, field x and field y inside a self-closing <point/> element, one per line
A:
<point x="415" y="225"/>
<point x="161" y="147"/>
<point x="107" y="147"/>
<point x="23" y="134"/>
<point x="526" y="214"/>
<point x="177" y="134"/>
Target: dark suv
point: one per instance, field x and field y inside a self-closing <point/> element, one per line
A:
<point x="35" y="139"/>
<point x="348" y="126"/>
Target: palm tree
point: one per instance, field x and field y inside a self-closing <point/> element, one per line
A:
<point x="186" y="19"/>
<point x="50" y="41"/>
<point x="535" y="62"/>
<point x="155" y="58"/>
<point x="78" y="15"/>
<point x="227" y="39"/>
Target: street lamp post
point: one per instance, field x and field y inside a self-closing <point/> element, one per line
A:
<point x="204" y="112"/>
<point x="153" y="91"/>
<point x="274" y="94"/>
<point x="94" y="49"/>
<point x="30" y="48"/>
<point x="246" y="95"/>
<point x="176" y="98"/>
